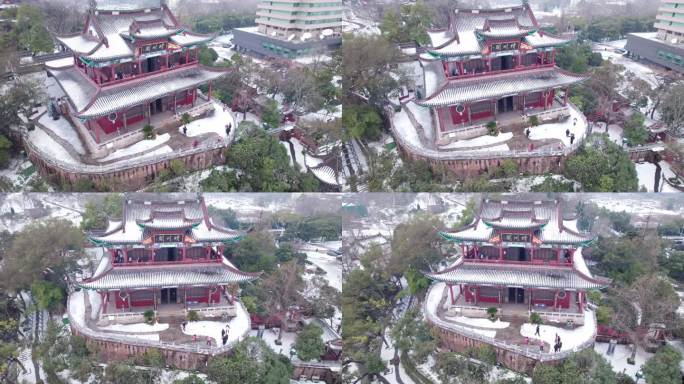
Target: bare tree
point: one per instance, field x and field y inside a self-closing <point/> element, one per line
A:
<point x="283" y="287"/>
<point x="672" y="109"/>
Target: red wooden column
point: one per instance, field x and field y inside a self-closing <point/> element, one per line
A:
<point x="461" y="68"/>
<point x="470" y="115"/>
<point x="209" y="90"/>
<point x="112" y="73"/>
<point x="501" y="252"/>
<point x="566" y="96"/>
<point x="125" y="255"/>
<point x="546" y="99"/>
<point x="531" y="298"/>
<point x="555" y="301"/>
<point x="451" y="294"/>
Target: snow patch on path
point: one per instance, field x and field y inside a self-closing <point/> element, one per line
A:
<point x="137" y="328"/>
<point x="571" y="338"/>
<point x="139" y="147"/>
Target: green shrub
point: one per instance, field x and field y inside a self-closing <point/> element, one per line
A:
<point x="149" y="316"/>
<point x="534" y="120"/>
<point x="535" y="318"/>
<point x="604" y="314"/>
<point x="491" y="312"/>
<point x="193" y="315"/>
<point x="185" y="119"/>
<point x="492" y="128"/>
<point x="148" y="131"/>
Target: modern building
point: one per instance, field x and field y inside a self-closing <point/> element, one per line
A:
<point x="519" y="258"/>
<point x="666" y="46"/>
<point x="292" y="28"/>
<point x="164" y="256"/>
<point x="133" y="64"/>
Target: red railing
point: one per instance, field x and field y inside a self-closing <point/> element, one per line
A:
<point x="499" y="72"/>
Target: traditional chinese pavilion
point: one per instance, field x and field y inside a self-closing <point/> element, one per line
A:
<point x="520" y="254"/>
<point x="165" y="254"/>
<point x="490" y="62"/>
<point x="133" y="61"/>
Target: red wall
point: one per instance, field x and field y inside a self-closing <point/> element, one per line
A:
<point x="485" y="299"/>
<point x="470" y="298"/>
<point x="482" y="115"/>
<point x="120" y="304"/>
<point x="458" y="118"/>
<point x="109" y="127"/>
<point x="562" y="302"/>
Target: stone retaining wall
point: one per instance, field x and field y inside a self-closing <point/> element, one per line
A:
<point x="473" y="167"/>
<point x="120" y="351"/>
<point x="512" y="360"/>
<point x="132" y="178"/>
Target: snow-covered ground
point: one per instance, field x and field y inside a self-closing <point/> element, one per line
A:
<point x="570" y="338"/>
<point x="139" y="147"/>
<point x="479" y="322"/>
<point x="50" y="146"/>
<point x="238" y="327"/>
<point x="271" y="335"/>
<point x="618" y="360"/>
<point x="576" y="124"/>
<point x="482" y="141"/>
<point x="137" y="328"/>
<point x="646" y="174"/>
<point x="216" y="123"/>
<point x="330" y="264"/>
<point x="63" y="129"/>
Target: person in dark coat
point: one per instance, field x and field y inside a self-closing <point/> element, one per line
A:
<point x="536" y="332"/>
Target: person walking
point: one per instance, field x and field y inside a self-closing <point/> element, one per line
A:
<point x="567" y="132"/>
<point x="536" y="332"/>
<point x="572" y="138"/>
<point x="208" y="341"/>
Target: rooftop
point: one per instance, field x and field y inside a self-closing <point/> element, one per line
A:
<point x="470" y="27"/>
<point x="518" y="275"/>
<point x="140" y="216"/>
<point x="113" y="26"/>
<point x="457" y="91"/>
<point x="546" y="215"/>
<point x="92" y="102"/>
<point x="161" y="276"/>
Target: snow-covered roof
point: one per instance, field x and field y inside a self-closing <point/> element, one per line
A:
<point x="495" y="214"/>
<point x="113" y="27"/>
<point x="167" y="276"/>
<point x="499" y="85"/>
<point x="91" y="102"/>
<point x="503" y="28"/>
<point x="142" y="217"/>
<point x="152" y="29"/>
<point x="532" y="276"/>
<point x="188" y="39"/>
<point x="126" y="5"/>
<point x="469" y="29"/>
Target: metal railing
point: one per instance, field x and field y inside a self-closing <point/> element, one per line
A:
<point x="483" y="155"/>
<point x="527" y="351"/>
<point x="200" y="348"/>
